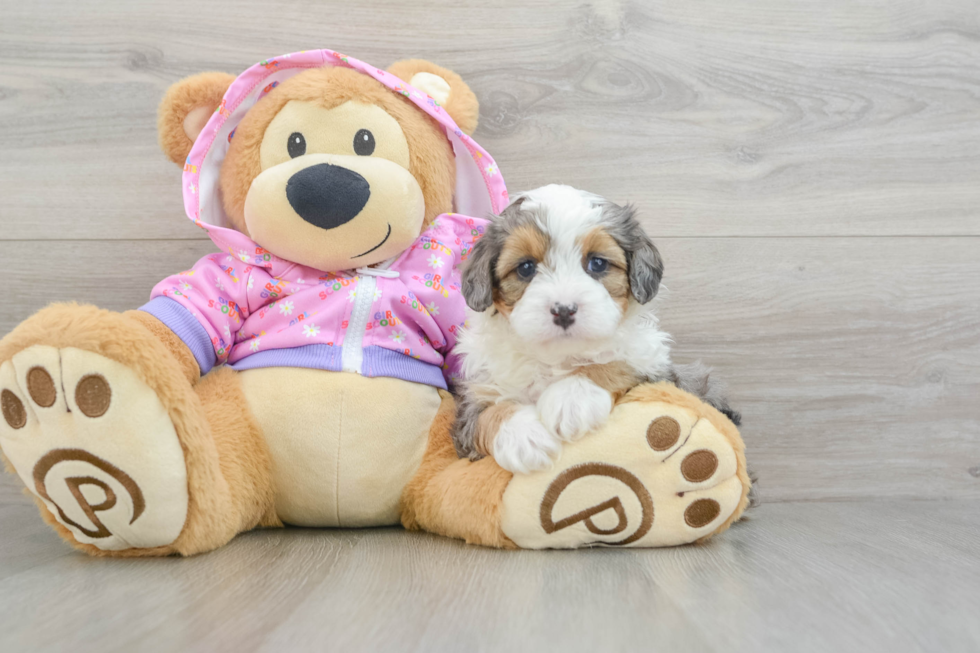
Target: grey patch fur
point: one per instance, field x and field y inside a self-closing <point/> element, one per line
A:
<point x="479" y="273"/>
<point x="464" y="429"/>
<point x="753" y="494"/>
<point x="646" y="267"/>
<point x="696" y="379"/>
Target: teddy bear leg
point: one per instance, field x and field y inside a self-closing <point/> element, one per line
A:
<point x="240" y="495"/>
<point x="455" y="497"/>
<point x="122" y="454"/>
<point x="666" y="469"/>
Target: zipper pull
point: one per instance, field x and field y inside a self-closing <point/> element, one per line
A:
<point x="378" y="272"/>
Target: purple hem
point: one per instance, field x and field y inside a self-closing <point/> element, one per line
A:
<point x="377" y="361"/>
<point x="183" y="323"/>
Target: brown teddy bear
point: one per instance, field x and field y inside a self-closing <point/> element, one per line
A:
<point x="301" y="375"/>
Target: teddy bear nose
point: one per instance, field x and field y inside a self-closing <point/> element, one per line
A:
<point x="326" y="195"/>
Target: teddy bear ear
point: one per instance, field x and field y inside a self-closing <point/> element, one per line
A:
<point x="446" y="87"/>
<point x="186" y="109"/>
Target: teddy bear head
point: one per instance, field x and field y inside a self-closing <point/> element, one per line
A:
<point x="327" y="167"/>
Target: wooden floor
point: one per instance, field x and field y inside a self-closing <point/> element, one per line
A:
<point x="800" y="577"/>
<point x="811" y="172"/>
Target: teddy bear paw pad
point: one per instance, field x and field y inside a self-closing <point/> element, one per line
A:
<point x="93" y="442"/>
<point x="657" y="474"/>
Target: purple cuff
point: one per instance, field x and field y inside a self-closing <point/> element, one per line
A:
<point x="377" y="361"/>
<point x="180" y="320"/>
<point x="314" y="357"/>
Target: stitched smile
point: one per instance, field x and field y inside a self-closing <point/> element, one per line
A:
<point x="387" y="236"/>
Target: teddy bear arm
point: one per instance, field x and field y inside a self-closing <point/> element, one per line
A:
<point x="174" y="345"/>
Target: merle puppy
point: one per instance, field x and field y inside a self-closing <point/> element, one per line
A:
<point x="562" y="327"/>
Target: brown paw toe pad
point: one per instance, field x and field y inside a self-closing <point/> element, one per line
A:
<point x="93" y="395"/>
<point x="13" y="409"/>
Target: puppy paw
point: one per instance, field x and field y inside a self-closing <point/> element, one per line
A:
<point x="574" y="406"/>
<point x="523" y="444"/>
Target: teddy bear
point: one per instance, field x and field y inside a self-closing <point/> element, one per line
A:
<point x="302" y="374"/>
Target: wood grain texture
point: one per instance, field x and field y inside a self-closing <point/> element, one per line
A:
<point x="773" y="118"/>
<point x="113" y="274"/>
<point x="864" y="576"/>
<point x="853" y="360"/>
<point x="810" y="172"/>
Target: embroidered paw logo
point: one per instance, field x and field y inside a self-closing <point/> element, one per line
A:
<point x="632" y="483"/>
<point x="46" y="467"/>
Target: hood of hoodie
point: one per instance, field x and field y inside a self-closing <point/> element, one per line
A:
<point x="480" y="189"/>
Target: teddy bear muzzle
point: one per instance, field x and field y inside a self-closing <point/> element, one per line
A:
<point x="335" y="212"/>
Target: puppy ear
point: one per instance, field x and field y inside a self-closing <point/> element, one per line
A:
<point x="646" y="268"/>
<point x="186" y="109"/>
<point x="478" y="274"/>
<point x="445" y="87"/>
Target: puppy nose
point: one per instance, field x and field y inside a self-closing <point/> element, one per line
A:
<point x="564" y="314"/>
<point x="327" y="196"/>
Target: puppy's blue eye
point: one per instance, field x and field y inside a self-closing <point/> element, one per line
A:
<point x="598" y="265"/>
<point x="526" y="269"/>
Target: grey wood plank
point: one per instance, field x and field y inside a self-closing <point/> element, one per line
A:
<point x="774" y="118"/>
<point x="114" y="274"/>
<point x="27" y="541"/>
<point x="863" y="576"/>
<point x="853" y="360"/>
<point x="735" y="128"/>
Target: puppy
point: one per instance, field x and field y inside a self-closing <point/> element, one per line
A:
<point x="560" y="286"/>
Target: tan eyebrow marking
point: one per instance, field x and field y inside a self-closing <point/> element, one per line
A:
<point x="598" y="242"/>
<point x="526" y="242"/>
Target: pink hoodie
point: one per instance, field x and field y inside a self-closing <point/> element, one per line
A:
<point x="248" y="308"/>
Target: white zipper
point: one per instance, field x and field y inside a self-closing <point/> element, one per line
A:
<point x="352" y="354"/>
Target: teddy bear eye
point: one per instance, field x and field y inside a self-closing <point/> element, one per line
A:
<point x="296" y="145"/>
<point x="364" y="143"/>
